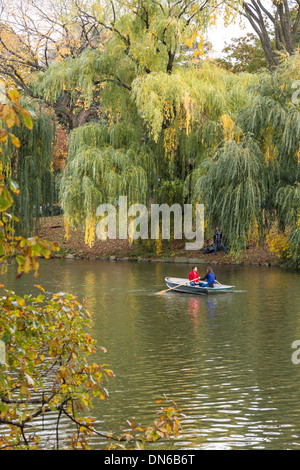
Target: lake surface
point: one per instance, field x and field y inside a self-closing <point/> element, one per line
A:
<point x="225" y="359"/>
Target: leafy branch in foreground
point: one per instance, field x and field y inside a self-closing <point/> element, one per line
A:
<point x="47" y="371"/>
<point x="164" y="425"/>
<point x="26" y="250"/>
<point x="46" y="366"/>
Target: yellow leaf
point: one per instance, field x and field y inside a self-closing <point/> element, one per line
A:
<point x="40" y="287"/>
<point x="24" y="388"/>
<point x="9" y="115"/>
<point x="15" y="141"/>
<point x="14" y="96"/>
<point x="3" y="136"/>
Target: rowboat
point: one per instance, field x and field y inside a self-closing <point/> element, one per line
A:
<point x="184" y="286"/>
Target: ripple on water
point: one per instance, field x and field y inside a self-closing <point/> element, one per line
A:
<point x="225" y="360"/>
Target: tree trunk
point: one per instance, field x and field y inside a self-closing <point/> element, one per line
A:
<point x="285" y="22"/>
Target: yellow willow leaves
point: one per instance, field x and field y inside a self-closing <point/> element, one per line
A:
<point x="70" y="224"/>
<point x="170" y="140"/>
<point x="253" y="236"/>
<point x="269" y="152"/>
<point x="189" y="96"/>
<point x="5" y="171"/>
<point x="278" y="244"/>
<point x="228" y="126"/>
<point x="67" y="228"/>
<point x="230" y="17"/>
<point x="188" y="106"/>
<point x="158" y="247"/>
<point x="199" y="51"/>
<point x="90" y="227"/>
<point x="189" y="42"/>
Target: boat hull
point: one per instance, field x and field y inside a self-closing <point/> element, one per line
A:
<point x="188" y="289"/>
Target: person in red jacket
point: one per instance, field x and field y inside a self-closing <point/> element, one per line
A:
<point x="194" y="276"/>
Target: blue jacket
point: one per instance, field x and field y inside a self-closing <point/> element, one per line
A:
<point x="210" y="278"/>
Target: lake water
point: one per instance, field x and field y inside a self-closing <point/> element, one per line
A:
<point x="225" y="359"/>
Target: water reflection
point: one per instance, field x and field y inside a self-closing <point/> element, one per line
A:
<point x="193" y="310"/>
<point x="225" y="359"/>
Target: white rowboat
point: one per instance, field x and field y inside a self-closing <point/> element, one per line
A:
<point x="172" y="282"/>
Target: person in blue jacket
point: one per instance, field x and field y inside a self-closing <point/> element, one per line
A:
<point x="218" y="241"/>
<point x="210" y="278"/>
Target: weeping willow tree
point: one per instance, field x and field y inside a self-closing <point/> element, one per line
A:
<point x="233" y="189"/>
<point x="130" y="38"/>
<point x="148" y="78"/>
<point x="253" y="175"/>
<point x="30" y="166"/>
<point x="102" y="165"/>
<point x="166" y="115"/>
<point x="274" y="120"/>
<point x="288" y="200"/>
<point x="233" y="138"/>
<point x="184" y="112"/>
<point x="169" y="123"/>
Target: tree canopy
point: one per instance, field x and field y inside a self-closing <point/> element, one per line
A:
<point x="146" y="110"/>
<point x="254" y="177"/>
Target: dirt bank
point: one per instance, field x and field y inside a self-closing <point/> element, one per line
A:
<point x="52" y="229"/>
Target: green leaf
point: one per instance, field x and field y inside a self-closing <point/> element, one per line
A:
<point x="14" y="187"/>
<point x="27" y="118"/>
<point x="6" y="199"/>
<point x="20" y="259"/>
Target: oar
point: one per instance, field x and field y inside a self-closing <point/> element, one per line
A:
<point x="167" y="290"/>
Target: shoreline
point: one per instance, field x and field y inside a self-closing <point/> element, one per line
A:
<point x="178" y="260"/>
<point x="52" y="229"/>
